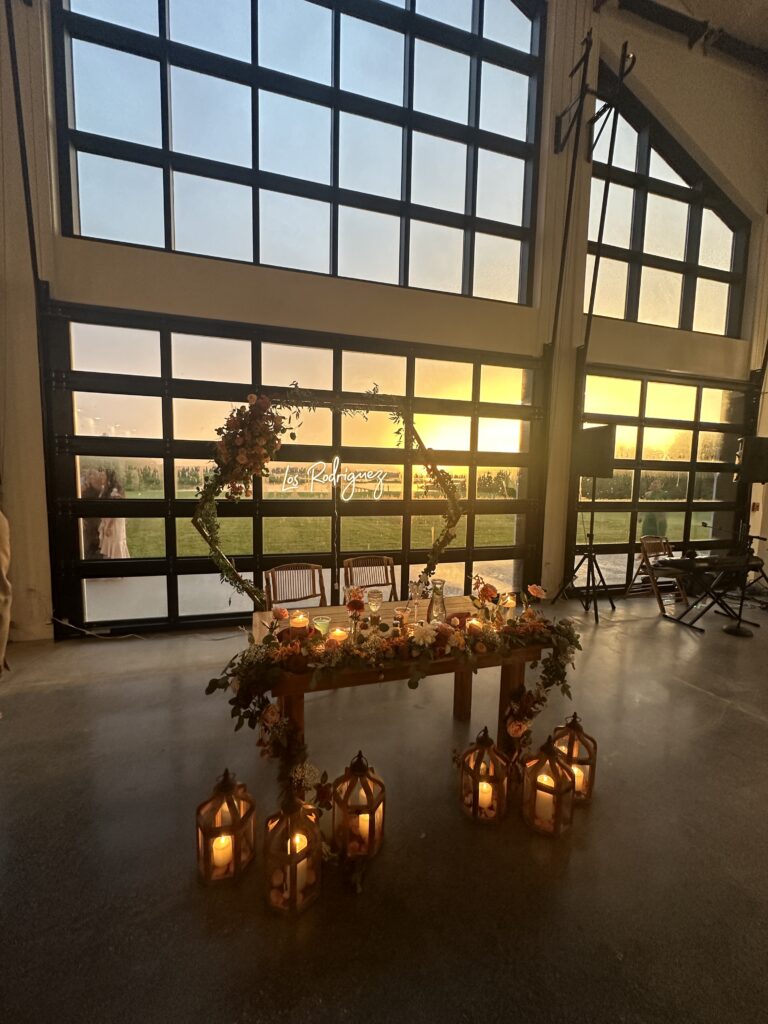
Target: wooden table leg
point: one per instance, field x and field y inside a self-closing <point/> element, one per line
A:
<point x="462" y="695"/>
<point x="292" y="706"/>
<point x="512" y="678"/>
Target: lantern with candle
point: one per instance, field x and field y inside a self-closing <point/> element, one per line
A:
<point x="484" y="780"/>
<point x="225" y="831"/>
<point x="548" y="785"/>
<point x="293" y="853"/>
<point x="580" y="752"/>
<point x="358" y="810"/>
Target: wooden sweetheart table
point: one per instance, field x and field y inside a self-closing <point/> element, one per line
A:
<point x="293" y="686"/>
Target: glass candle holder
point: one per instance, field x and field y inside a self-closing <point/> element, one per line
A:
<point x="299" y="623"/>
<point x="322" y="624"/>
<point x="375" y="598"/>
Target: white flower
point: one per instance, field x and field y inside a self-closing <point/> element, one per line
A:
<point x="423" y="635"/>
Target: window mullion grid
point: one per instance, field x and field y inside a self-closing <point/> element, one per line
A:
<point x="407" y="169"/>
<point x="335" y="145"/>
<point x="169" y="472"/>
<point x="165" y="124"/>
<point x="255" y="194"/>
<point x="410" y="382"/>
<point x="634" y="271"/>
<point x="470" y="191"/>
<point x="693" y="237"/>
<point x="336" y="415"/>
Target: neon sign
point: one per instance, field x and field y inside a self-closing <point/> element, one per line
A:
<point x="347" y="480"/>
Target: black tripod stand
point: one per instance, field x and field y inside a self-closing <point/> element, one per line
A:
<point x="737" y="628"/>
<point x="595" y="584"/>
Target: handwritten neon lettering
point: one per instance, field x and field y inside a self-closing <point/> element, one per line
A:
<point x="347" y="480"/>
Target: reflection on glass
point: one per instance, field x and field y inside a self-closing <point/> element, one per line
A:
<point x="101" y="349"/>
<point x="625" y="149"/>
<point x="504" y="574"/>
<point x="294" y="137"/>
<point x="505" y="23"/>
<point x="422" y="485"/>
<point x="140" y="14"/>
<point x="611" y="293"/>
<point x="439" y="378"/>
<point x="294" y="232"/>
<point x="716" y="245"/>
<point x="213" y="218"/>
<point x="196" y="419"/>
<point x="297" y="481"/>
<point x="370" y="155"/>
<point x="109" y="538"/>
<point x="452" y="572"/>
<point x="438" y="172"/>
<point x="371" y="533"/>
<point x="369" y="245"/>
<point x="508" y="385"/>
<point x="609" y="527"/>
<point x="295" y="37"/>
<point x="670" y="401"/>
<point x="101" y="415"/>
<point x="200" y="23"/>
<point x="662" y="485"/>
<point x="666" y="227"/>
<point x="504" y="483"/>
<point x="498" y="530"/>
<point x="661" y="523"/>
<point x="210" y="117"/>
<point x="501" y="435"/>
<point x="436" y="257"/>
<point x="503" y="101"/>
<point x="711" y="310"/>
<point x="497" y="268"/>
<point x="610" y="488"/>
<point x="500" y="181"/>
<point x="134" y="597"/>
<point x="718" y="406"/>
<point x="712" y="526"/>
<point x="375" y="431"/>
<point x="189" y="476"/>
<point x="626" y="439"/>
<point x="618" y="214"/>
<point x="281" y="365"/>
<point x="235" y="537"/>
<point x="199" y="357"/>
<point x="138" y="477"/>
<point x="292" y="534"/>
<point x="714" y="447"/>
<point x="138" y="217"/>
<point x="441" y="82"/>
<point x="663" y="443"/>
<point x="370" y="482"/>
<point x="116" y="94"/>
<point x="452" y="12"/>
<point x="372" y="60"/>
<point x="204" y="594"/>
<point x="714" y="487"/>
<point x="613" y="396"/>
<point x="361" y="370"/>
<point x="449" y="433"/>
<point x="660" y="293"/>
<point x="426" y="529"/>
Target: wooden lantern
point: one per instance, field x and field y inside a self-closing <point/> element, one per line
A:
<point x="580" y="752"/>
<point x="548" y="784"/>
<point x="293" y="855"/>
<point x="484" y="780"/>
<point x="225" y="831"/>
<point x="358" y="810"/>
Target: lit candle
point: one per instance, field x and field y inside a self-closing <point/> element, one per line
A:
<point x="364" y="826"/>
<point x="299" y="843"/>
<point x="485" y="794"/>
<point x="544" y="809"/>
<point x="221" y="848"/>
<point x="299" y="622"/>
<point x="474" y="626"/>
<point x="338" y="634"/>
<point x="563" y="746"/>
<point x="581" y="778"/>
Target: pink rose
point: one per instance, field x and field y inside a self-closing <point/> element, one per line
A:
<point x="536" y="591"/>
<point x="278" y="614"/>
<point x="270" y="715"/>
<point x="252" y="399"/>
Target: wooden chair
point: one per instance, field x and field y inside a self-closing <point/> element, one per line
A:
<point x="295" y="581"/>
<point x="651" y="548"/>
<point x="368" y="571"/>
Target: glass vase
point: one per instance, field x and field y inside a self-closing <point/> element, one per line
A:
<point x="436" y="611"/>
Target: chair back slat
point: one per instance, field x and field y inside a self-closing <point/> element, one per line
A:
<point x="295" y="581"/>
<point x="368" y="571"/>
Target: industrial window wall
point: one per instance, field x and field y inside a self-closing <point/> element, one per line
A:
<point x="674" y="246"/>
<point x="674" y="465"/>
<point x="388" y="140"/>
<point x="133" y="403"/>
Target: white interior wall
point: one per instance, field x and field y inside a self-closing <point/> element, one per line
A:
<point x="694" y="95"/>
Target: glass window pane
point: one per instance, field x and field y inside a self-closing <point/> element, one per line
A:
<point x="294" y="232"/>
<point x="438" y="378"/>
<point x="370" y="156"/>
<point x="506" y="575"/>
<point x="436" y="258"/>
<point x="138" y="217"/>
<point x="502" y="483"/>
<point x="670" y="401"/>
<point x="497" y="268"/>
<point x="504" y="102"/>
<point x="718" y="406"/>
<point x="294" y="137"/>
<point x="213" y="218"/>
<point x="370" y="482"/>
<point x="424" y="488"/>
<point x="199" y="357"/>
<point x="295" y="37"/>
<point x="626" y="440"/>
<point x="314" y="428"/>
<point x="509" y="385"/>
<point x="196" y="419"/>
<point x="716" y="245"/>
<point x="281" y="365"/>
<point x="189" y="476"/>
<point x="371" y="533"/>
<point x="503" y="529"/>
<point x="375" y="431"/>
<point x="369" y="245"/>
<point x="500" y="182"/>
<point x="297" y="481"/>
<point x="210" y="117"/>
<point x="235" y="537"/>
<point x="612" y="396"/>
<point x="609" y="527"/>
<point x="506" y="23"/>
<point x="611" y="293"/>
<point x="438" y="172"/>
<point x="372" y="60"/>
<point x="661" y="523"/>
<point x="426" y="529"/>
<point x="134" y="597"/>
<point x="608" y="488"/>
<point x="294" y="534"/>
<point x="614" y="569"/>
<point x="502" y="435"/>
<point x="712" y="526"/>
<point x="449" y="433"/>
<point x="711" y="310"/>
<point x="714" y="487"/>
<point x="625" y="149"/>
<point x="137" y="477"/>
<point x="109" y="538"/>
<point x="453" y="573"/>
<point x="659" y="168"/>
<point x="618" y="215"/>
<point x="101" y="415"/>
<point x="662" y="485"/>
<point x="441" y="82"/>
<point x="666" y="227"/>
<point x="101" y="349"/>
<point x="667" y="443"/>
<point x="660" y="293"/>
<point x="714" y="447"/>
<point x="200" y="23"/>
<point x="203" y="593"/>
<point x="452" y="12"/>
<point x="140" y="14"/>
<point x="361" y="370"/>
<point x="116" y="94"/>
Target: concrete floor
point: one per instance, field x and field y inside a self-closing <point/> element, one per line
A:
<point x="654" y="910"/>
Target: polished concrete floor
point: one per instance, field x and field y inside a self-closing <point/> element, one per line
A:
<point x="653" y="910"/>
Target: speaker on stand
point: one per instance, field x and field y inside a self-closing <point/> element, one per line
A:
<point x="751" y="468"/>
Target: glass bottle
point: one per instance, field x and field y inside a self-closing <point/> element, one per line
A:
<point x="436" y="611"/>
